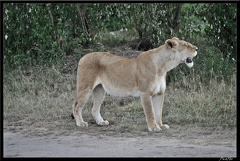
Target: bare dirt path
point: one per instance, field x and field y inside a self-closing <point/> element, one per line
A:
<point x="19" y="145"/>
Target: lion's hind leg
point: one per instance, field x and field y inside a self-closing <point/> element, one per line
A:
<point x="78" y="107"/>
<point x="98" y="97"/>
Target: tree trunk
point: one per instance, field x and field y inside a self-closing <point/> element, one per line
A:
<point x="174" y="23"/>
<point x="55" y="36"/>
<point x="81" y="10"/>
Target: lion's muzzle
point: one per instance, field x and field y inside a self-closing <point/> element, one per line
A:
<point x="189" y="62"/>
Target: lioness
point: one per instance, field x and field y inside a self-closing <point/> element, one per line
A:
<point x="145" y="76"/>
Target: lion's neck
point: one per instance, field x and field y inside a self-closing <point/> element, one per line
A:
<point x="163" y="60"/>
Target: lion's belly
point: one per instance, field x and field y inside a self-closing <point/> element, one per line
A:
<point x="119" y="84"/>
<point x="120" y="91"/>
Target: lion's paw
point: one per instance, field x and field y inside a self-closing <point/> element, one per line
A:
<point x="82" y="124"/>
<point x="154" y="129"/>
<point x="165" y="126"/>
<point x="103" y="123"/>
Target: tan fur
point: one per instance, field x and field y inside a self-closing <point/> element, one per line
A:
<point x="144" y="76"/>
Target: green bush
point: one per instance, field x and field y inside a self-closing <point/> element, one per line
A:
<point x="40" y="33"/>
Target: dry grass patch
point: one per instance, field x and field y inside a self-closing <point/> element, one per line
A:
<point x="38" y="101"/>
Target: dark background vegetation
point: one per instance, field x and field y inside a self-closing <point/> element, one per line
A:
<point x="40" y="33"/>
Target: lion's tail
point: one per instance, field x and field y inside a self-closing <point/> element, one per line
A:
<point x="73" y="107"/>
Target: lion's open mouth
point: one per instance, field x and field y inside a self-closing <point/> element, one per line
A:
<point x="189" y="62"/>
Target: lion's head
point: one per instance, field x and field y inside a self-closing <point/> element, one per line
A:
<point x="184" y="50"/>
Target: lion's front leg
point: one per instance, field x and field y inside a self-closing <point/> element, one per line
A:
<point x="158" y="107"/>
<point x="148" y="110"/>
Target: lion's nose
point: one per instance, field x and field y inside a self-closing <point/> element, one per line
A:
<point x="196" y="49"/>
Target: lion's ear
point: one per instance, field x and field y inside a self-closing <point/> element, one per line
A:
<point x="175" y="38"/>
<point x="170" y="43"/>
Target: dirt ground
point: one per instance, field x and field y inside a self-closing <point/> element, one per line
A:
<point x="17" y="144"/>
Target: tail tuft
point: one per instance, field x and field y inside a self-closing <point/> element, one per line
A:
<point x="73" y="106"/>
<point x="72" y="116"/>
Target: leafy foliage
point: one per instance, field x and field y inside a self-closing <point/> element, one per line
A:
<point x="36" y="33"/>
<point x="156" y="21"/>
<point x="40" y="32"/>
<point x="222" y="27"/>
